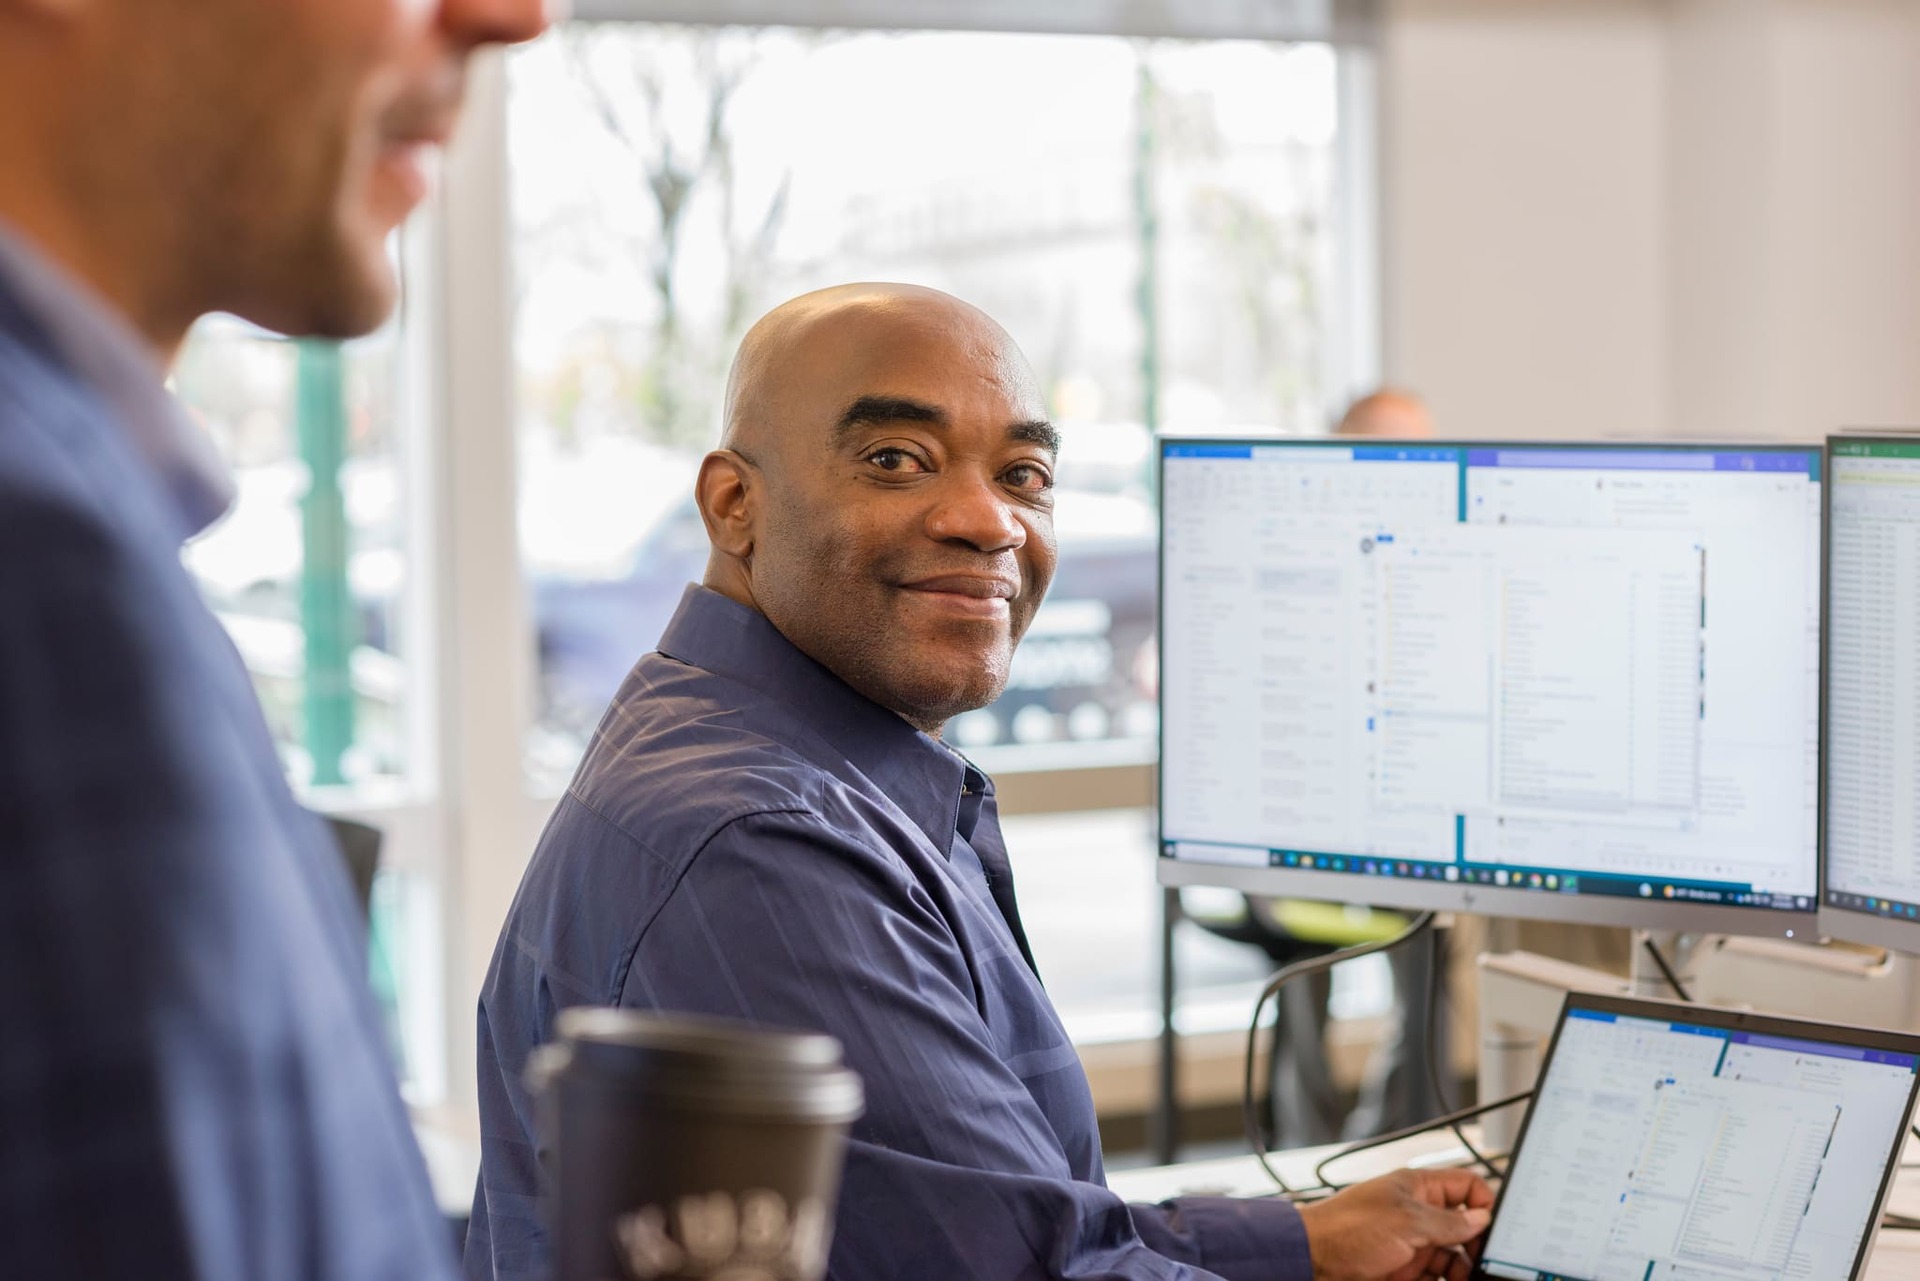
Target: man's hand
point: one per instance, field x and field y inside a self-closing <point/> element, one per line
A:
<point x="1398" y="1228"/>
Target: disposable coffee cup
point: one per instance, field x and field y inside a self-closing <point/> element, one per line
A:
<point x="676" y="1147"/>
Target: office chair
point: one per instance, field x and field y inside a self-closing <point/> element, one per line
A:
<point x="1304" y="1104"/>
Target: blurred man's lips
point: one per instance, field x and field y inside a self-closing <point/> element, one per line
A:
<point x="412" y="138"/>
<point x="408" y="164"/>
<point x="974" y="595"/>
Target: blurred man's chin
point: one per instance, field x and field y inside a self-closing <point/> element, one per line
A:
<point x="349" y="301"/>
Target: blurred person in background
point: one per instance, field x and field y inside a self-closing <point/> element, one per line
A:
<point x="193" y="1079"/>
<point x="1388" y="412"/>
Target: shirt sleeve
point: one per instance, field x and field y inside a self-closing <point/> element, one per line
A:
<point x="191" y="1086"/>
<point x="955" y="1170"/>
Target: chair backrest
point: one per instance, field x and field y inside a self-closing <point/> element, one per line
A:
<point x="360" y="846"/>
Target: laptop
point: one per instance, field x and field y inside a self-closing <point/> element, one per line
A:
<point x="1683" y="1143"/>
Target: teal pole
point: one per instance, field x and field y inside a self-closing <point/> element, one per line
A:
<point x="326" y="605"/>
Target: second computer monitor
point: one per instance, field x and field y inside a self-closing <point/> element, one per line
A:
<point x="1870" y="891"/>
<point x="1574" y="682"/>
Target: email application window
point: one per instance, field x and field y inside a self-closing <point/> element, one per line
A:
<point x="1666" y="1150"/>
<point x="1561" y="669"/>
<point x="1700" y="702"/>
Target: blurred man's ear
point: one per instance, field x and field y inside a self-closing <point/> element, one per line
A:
<point x="727" y="491"/>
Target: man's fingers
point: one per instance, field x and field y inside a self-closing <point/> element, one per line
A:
<point x="1453" y="1227"/>
<point x="1454" y="1187"/>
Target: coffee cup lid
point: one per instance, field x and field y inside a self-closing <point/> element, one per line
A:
<point x="723" y="1063"/>
<point x="596" y="1029"/>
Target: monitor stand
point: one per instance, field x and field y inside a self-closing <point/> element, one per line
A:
<point x="1521" y="994"/>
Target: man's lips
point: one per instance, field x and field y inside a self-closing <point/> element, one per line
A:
<point x="975" y="595"/>
<point x="413" y="138"/>
<point x="408" y="166"/>
<point x="980" y="586"/>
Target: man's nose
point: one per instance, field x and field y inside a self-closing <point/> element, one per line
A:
<point x="482" y="22"/>
<point x="975" y="510"/>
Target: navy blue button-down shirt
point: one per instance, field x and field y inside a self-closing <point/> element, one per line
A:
<point x="750" y="837"/>
<point x="194" y="1084"/>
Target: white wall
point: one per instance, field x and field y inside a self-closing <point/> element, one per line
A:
<point x="1653" y="217"/>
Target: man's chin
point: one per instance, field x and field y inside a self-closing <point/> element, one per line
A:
<point x="353" y="299"/>
<point x="938" y="697"/>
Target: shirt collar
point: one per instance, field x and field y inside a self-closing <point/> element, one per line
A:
<point x="917" y="772"/>
<point x="101" y="348"/>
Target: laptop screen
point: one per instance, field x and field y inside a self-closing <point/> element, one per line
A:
<point x="1660" y="1148"/>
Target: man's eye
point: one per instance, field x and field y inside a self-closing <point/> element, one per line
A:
<point x="894" y="460"/>
<point x="1028" y="476"/>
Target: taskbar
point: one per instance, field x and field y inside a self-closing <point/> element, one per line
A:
<point x="1533" y="879"/>
<point x="1892" y="909"/>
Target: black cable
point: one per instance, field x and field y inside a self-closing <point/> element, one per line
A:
<point x="1666" y="971"/>
<point x="1250" y="1118"/>
<point x="1434" y="990"/>
<point x="1394" y="1136"/>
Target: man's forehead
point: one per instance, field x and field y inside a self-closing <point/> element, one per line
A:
<point x="958" y="360"/>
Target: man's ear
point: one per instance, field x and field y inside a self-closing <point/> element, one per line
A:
<point x="728" y="493"/>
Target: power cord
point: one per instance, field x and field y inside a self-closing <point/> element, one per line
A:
<point x="1250" y="1117"/>
<point x="1434" y="988"/>
<point x="1666" y="971"/>
<point x="1451" y="1119"/>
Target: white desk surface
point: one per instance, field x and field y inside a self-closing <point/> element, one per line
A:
<point x="453" y="1161"/>
<point x="1896" y="1253"/>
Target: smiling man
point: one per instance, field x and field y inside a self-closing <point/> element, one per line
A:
<point x="766" y="826"/>
<point x="194" y="1080"/>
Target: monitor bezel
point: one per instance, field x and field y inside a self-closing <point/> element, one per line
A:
<point x="1732" y="1021"/>
<point x="1835" y="921"/>
<point x="1458" y="896"/>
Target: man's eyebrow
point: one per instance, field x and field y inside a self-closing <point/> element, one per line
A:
<point x="1039" y="432"/>
<point x="868" y="410"/>
<point x="888" y="409"/>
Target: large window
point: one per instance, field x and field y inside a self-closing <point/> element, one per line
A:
<point x="1152" y="221"/>
<point x="1158" y="223"/>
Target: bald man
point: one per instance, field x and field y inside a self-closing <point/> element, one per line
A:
<point x="1389" y="412"/>
<point x="768" y="827"/>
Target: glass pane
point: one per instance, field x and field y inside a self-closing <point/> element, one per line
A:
<point x="670" y="184"/>
<point x="310" y="432"/>
<point x="1091" y="909"/>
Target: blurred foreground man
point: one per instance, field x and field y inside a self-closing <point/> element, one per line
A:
<point x="193" y="1082"/>
<point x="767" y="826"/>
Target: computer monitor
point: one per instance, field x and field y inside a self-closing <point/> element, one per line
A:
<point x="1870" y="827"/>
<point x="1566" y="682"/>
